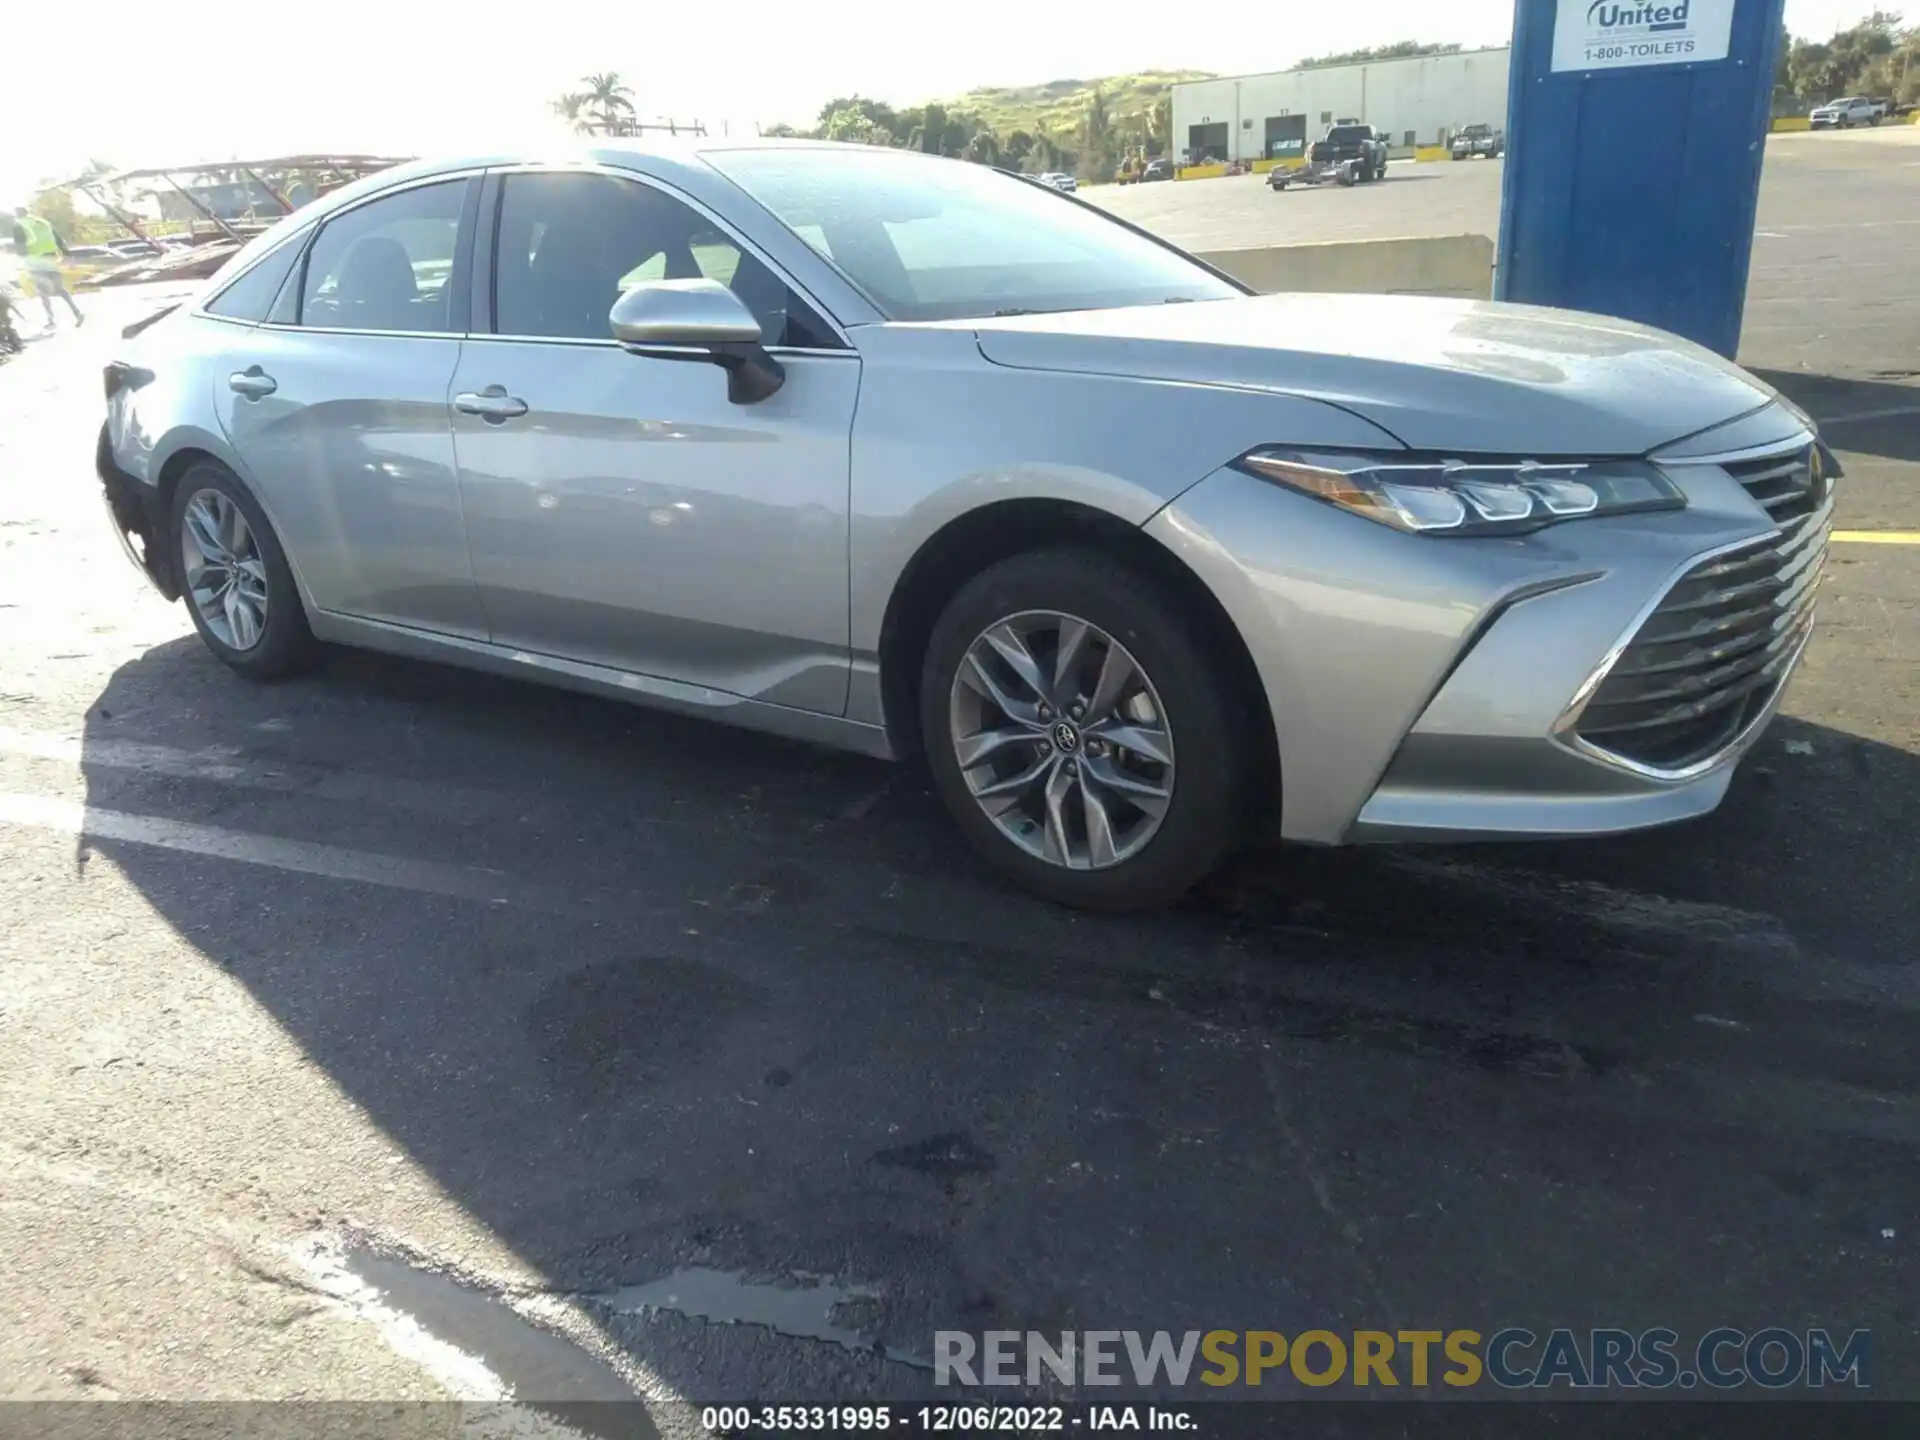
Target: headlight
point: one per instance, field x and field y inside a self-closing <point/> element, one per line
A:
<point x="1469" y="497"/>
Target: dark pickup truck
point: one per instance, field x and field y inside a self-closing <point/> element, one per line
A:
<point x="1351" y="142"/>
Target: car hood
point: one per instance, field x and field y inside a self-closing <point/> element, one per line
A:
<point x="1456" y="375"/>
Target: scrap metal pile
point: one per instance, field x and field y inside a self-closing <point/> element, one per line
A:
<point x="271" y="188"/>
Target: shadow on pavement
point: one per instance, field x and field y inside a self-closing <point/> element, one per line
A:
<point x="1882" y="415"/>
<point x="751" y="1007"/>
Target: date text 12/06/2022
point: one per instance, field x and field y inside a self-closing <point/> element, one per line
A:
<point x="743" y="1420"/>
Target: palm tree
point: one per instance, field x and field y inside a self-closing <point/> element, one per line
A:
<point x="570" y="107"/>
<point x="610" y="100"/>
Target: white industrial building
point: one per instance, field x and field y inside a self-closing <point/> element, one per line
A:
<point x="1419" y="100"/>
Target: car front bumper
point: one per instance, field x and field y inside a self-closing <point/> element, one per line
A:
<point x="1446" y="689"/>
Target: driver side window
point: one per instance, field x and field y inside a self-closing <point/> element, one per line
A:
<point x="570" y="244"/>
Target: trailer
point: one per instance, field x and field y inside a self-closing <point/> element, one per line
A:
<point x="1327" y="172"/>
<point x="1350" y="152"/>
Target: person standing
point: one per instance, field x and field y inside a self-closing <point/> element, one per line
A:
<point x="43" y="249"/>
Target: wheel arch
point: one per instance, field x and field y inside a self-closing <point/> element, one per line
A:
<point x="190" y="451"/>
<point x="971" y="542"/>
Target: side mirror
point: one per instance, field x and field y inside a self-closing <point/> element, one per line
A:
<point x="699" y="320"/>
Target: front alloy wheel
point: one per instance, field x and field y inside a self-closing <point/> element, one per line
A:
<point x="1062" y="740"/>
<point x="1052" y="691"/>
<point x="224" y="572"/>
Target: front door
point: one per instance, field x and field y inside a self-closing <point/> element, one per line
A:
<point x="621" y="510"/>
<point x="338" y="408"/>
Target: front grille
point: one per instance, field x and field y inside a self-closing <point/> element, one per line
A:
<point x="1713" y="654"/>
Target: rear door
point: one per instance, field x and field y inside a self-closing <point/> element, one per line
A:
<point x="623" y="511"/>
<point x="338" y="408"/>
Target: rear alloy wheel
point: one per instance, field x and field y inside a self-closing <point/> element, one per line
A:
<point x="238" y="586"/>
<point x="1079" y="732"/>
<point x="225" y="576"/>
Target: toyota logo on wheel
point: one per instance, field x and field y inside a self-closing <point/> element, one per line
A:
<point x="1065" y="737"/>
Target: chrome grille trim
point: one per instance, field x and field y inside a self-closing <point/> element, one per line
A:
<point x="1704" y="665"/>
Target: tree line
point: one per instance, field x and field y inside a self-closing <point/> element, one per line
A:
<point x="1878" y="57"/>
<point x="1091" y="148"/>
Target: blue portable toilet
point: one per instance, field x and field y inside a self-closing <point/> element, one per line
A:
<point x="1635" y="135"/>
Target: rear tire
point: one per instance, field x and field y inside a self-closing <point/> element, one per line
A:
<point x="1039" y="829"/>
<point x="235" y="579"/>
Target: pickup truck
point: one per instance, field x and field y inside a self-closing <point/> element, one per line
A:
<point x="1846" y="113"/>
<point x="1471" y="140"/>
<point x="1350" y="141"/>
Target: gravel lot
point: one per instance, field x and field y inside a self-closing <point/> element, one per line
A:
<point x="558" y="997"/>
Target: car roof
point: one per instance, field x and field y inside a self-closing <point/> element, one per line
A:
<point x="681" y="159"/>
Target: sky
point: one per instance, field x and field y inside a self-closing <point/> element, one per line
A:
<point x="141" y="84"/>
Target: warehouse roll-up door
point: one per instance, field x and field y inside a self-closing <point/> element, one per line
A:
<point x="1286" y="137"/>
<point x="1207" y="142"/>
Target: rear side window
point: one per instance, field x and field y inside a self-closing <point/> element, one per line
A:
<point x="388" y="264"/>
<point x="251" y="296"/>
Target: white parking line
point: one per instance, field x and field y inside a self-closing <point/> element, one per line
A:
<point x="1846" y="225"/>
<point x="227" y="766"/>
<point x="304" y="857"/>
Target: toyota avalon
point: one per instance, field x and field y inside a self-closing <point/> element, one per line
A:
<point x="911" y="456"/>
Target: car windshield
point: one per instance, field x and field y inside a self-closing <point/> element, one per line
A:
<point x="931" y="239"/>
<point x="1342" y="134"/>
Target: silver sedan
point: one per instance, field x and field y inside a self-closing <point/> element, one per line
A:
<point x="916" y="458"/>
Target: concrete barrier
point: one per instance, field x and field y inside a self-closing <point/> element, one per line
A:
<point x="1783" y="123"/>
<point x="1199" y="172"/>
<point x="1458" y="265"/>
<point x="1432" y="152"/>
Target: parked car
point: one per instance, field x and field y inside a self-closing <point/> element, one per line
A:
<point x="1128" y="574"/>
<point x="1351" y="141"/>
<point x="1160" y="169"/>
<point x="1060" y="181"/>
<point x="1845" y="114"/>
<point x="1481" y="140"/>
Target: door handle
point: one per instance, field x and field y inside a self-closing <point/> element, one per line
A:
<point x="492" y="403"/>
<point x="252" y="382"/>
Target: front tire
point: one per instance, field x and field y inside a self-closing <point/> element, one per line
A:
<point x="235" y="579"/>
<point x="1081" y="733"/>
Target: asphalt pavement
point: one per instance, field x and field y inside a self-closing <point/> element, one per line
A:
<point x="365" y="1031"/>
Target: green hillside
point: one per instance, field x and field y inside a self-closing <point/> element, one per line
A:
<point x="1060" y="105"/>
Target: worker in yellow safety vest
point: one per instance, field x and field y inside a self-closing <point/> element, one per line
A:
<point x="43" y="249"/>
